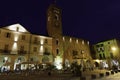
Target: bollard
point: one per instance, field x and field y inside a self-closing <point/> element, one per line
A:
<point x="107" y="73"/>
<point x="112" y="72"/>
<point x="101" y="74"/>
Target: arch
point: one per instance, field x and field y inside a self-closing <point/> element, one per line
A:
<point x="45" y="59"/>
<point x="20" y="59"/>
<point x="34" y="59"/>
<point x="96" y="64"/>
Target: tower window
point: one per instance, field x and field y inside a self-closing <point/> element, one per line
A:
<point x="57" y="42"/>
<point x="57" y="51"/>
<point x="56" y="17"/>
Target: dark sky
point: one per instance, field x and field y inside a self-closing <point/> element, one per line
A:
<point x="94" y="20"/>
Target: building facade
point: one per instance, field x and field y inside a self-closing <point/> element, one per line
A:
<point x="107" y="53"/>
<point x="20" y="49"/>
<point x="67" y="49"/>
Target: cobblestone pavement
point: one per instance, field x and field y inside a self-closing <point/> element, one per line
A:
<point x="111" y="77"/>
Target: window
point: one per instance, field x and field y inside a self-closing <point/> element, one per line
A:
<point x="104" y="56"/>
<point x="74" y="53"/>
<point x="57" y="42"/>
<point x="46" y="41"/>
<point x="46" y="51"/>
<point x="6" y="47"/>
<point x="56" y="17"/>
<point x="19" y="59"/>
<point x="31" y="59"/>
<point x="23" y="37"/>
<point x="101" y="45"/>
<point x="17" y="28"/>
<point x="97" y="46"/>
<point x="57" y="51"/>
<point x="21" y="48"/>
<point x="35" y="49"/>
<point x="8" y="35"/>
<point x="100" y="56"/>
<point x="108" y="42"/>
<point x="35" y="40"/>
<point x="111" y="55"/>
<point x="98" y="49"/>
<point x="48" y="18"/>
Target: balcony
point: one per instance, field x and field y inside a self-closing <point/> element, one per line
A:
<point x="36" y="42"/>
<point x="5" y="52"/>
<point x="46" y="53"/>
<point x="20" y="52"/>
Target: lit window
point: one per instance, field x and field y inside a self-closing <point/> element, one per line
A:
<point x="70" y="39"/>
<point x="88" y="42"/>
<point x="63" y="38"/>
<point x="77" y="41"/>
<point x="49" y="18"/>
<point x="83" y="42"/>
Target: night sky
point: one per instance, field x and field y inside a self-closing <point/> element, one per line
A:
<point x="93" y="20"/>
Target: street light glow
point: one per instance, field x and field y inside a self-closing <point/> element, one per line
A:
<point x="114" y="48"/>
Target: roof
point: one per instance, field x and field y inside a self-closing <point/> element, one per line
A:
<point x="16" y="27"/>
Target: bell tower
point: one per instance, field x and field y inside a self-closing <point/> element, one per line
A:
<point x="54" y="22"/>
<point x="54" y="28"/>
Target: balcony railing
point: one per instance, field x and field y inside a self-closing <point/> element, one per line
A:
<point x="22" y="52"/>
<point x="3" y="51"/>
<point x="36" y="42"/>
<point x="46" y="53"/>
